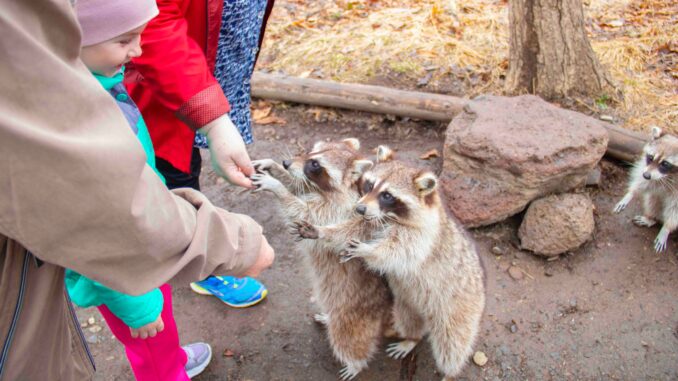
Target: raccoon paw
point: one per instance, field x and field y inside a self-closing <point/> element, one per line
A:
<point x="354" y="248"/>
<point x="621" y="205"/>
<point x="304" y="230"/>
<point x="264" y="181"/>
<point x="660" y="242"/>
<point x="351" y="370"/>
<point x="263" y="165"/>
<point x="322" y="318"/>
<point x="400" y="349"/>
<point x="345" y="256"/>
<point x="643" y="221"/>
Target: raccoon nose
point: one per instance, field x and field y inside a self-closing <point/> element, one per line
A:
<point x="361" y="209"/>
<point x="287" y="163"/>
<point x="647" y="175"/>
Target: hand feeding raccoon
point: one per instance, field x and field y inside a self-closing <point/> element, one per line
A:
<point x="429" y="261"/>
<point x="653" y="178"/>
<point x="320" y="187"/>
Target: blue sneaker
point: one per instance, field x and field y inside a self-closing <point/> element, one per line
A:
<point x="235" y="292"/>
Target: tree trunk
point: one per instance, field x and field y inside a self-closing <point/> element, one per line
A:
<point x="550" y="54"/>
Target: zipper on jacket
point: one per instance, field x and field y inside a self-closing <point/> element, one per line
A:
<point x="74" y="316"/>
<point x="17" y="312"/>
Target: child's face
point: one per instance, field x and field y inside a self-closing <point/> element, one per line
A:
<point x="106" y="58"/>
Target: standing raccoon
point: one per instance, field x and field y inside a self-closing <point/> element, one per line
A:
<point x="653" y="179"/>
<point x="321" y="187"/>
<point x="404" y="232"/>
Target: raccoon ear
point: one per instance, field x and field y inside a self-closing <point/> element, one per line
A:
<point x="353" y="143"/>
<point x="384" y="154"/>
<point x="426" y="183"/>
<point x="359" y="167"/>
<point x="657" y="132"/>
<point x="318" y="146"/>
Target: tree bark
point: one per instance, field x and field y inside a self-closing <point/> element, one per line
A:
<point x="550" y="54"/>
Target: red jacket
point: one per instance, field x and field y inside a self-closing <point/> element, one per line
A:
<point x="172" y="82"/>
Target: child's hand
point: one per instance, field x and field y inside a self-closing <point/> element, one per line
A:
<point x="148" y="330"/>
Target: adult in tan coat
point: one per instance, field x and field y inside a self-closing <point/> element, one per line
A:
<point x="75" y="191"/>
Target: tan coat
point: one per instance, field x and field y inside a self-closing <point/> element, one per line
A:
<point x="76" y="192"/>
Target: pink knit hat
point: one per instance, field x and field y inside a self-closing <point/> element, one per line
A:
<point x="102" y="20"/>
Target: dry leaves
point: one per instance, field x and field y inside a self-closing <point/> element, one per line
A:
<point x="262" y="114"/>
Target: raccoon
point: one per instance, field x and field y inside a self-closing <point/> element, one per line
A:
<point x="355" y="302"/>
<point x="653" y="179"/>
<point x="403" y="231"/>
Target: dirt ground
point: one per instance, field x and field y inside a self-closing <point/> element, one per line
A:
<point x="607" y="311"/>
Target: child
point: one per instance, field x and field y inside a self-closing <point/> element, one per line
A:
<point x="144" y="324"/>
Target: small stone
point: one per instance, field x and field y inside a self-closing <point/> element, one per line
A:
<point x="573" y="303"/>
<point x="91" y="320"/>
<point x="557" y="224"/>
<point x="83" y="325"/>
<point x="513" y="327"/>
<point x="607" y="118"/>
<point x="94" y="329"/>
<point x="593" y="178"/>
<point x="220" y="180"/>
<point x="496" y="250"/>
<point x="548" y="272"/>
<point x="516" y="273"/>
<point x="480" y="358"/>
<point x="424" y="80"/>
<point x="228" y="353"/>
<point x="110" y="358"/>
<point x="93" y="339"/>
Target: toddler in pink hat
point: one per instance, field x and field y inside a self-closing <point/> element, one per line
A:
<point x="144" y="324"/>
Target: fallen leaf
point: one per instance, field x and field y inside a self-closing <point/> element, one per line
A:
<point x="430" y="154"/>
<point x="259" y="114"/>
<point x="272" y="119"/>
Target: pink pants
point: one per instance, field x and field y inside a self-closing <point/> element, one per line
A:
<point x="158" y="358"/>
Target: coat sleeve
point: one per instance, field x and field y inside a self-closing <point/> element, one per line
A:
<point x="134" y="311"/>
<point x="174" y="67"/>
<point x="75" y="188"/>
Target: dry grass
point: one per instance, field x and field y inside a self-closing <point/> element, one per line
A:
<point x="360" y="41"/>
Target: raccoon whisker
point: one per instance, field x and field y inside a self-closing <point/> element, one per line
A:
<point x="669" y="183"/>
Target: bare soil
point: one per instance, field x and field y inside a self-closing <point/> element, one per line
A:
<point x="607" y="311"/>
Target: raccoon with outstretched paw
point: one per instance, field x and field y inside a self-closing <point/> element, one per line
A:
<point x="320" y="187"/>
<point x="653" y="179"/>
<point x="403" y="231"/>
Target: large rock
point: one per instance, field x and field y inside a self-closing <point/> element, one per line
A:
<point x="557" y="224"/>
<point x="501" y="153"/>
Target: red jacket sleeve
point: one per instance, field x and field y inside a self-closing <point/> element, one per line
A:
<point x="174" y="67"/>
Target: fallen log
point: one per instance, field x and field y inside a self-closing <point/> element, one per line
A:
<point x="376" y="99"/>
<point x="623" y="144"/>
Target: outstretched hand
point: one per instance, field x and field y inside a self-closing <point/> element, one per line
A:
<point x="229" y="156"/>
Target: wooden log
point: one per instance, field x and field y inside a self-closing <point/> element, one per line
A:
<point x="624" y="145"/>
<point x="369" y="98"/>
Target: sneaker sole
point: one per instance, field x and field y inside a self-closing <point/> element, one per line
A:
<point x="196" y="371"/>
<point x="202" y="291"/>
